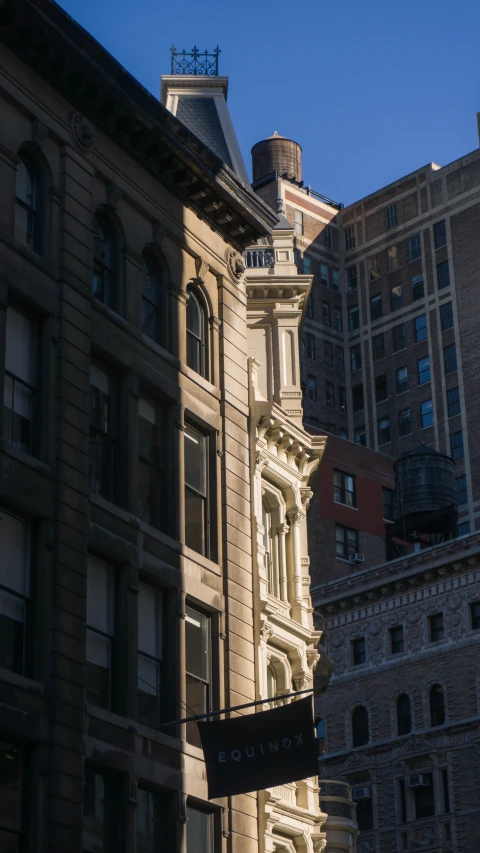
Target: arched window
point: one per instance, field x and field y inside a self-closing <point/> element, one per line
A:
<point x="437" y="706"/>
<point x="196" y="334"/>
<point x="320" y="727"/>
<point x="271" y="684"/>
<point x="404" y="715"/>
<point x="269" y="542"/>
<point x="153" y="298"/>
<point x="103" y="262"/>
<point x="360" y="732"/>
<point x="27" y="206"/>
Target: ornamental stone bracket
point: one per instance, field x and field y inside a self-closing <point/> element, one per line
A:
<point x="82" y="132"/>
<point x="201" y="268"/>
<point x="236" y="266"/>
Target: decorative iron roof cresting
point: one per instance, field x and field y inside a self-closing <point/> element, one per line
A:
<point x="195" y="64"/>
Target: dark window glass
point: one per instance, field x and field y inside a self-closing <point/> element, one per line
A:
<point x="353" y="318"/>
<point x="360" y="732"/>
<point x="453" y="402"/>
<point x="450" y="358"/>
<point x="153" y="286"/>
<point x="446" y="316"/>
<point x="392" y="255"/>
<point x="359" y="652"/>
<point x="375" y="307"/>
<point x="443" y="275"/>
<point x="101" y="438"/>
<point x="355" y="357"/>
<point x="27" y="206"/>
<point x="344" y="488"/>
<point x="197" y="509"/>
<point x="456" y="445"/>
<point x="310" y="307"/>
<point x="320" y="727"/>
<point x="95" y="812"/>
<point x="383" y="428"/>
<point x="461" y="490"/>
<point x="352" y="281"/>
<point x="402" y="379"/>
<point x="349" y="238"/>
<point x="150" y="473"/>
<point x="329" y="395"/>
<point x="311" y="387"/>
<point x="403" y="800"/>
<point x="324" y="275"/>
<point x="326" y="313"/>
<point x="404" y="713"/>
<point x="364" y="815"/>
<point x="357" y="398"/>
<point x="381" y="389"/>
<point x="388" y="501"/>
<point x="463" y="529"/>
<point x="10" y="797"/>
<point x="437" y="706"/>
<point x="418" y="287"/>
<point x="327" y="353"/>
<point x="19" y="380"/>
<point x="437" y="631"/>
<point x="440" y="234"/>
<point x="150" y="654"/>
<point x="346" y="540"/>
<point x="361" y="436"/>
<point x="404" y="422"/>
<point x="446" y="790"/>
<point x="340" y="359"/>
<point x="14" y="590"/>
<point x="415" y="247"/>
<point x="421" y="328"/>
<point x="328" y="236"/>
<point x="337" y="318"/>
<point x="399" y="337"/>
<point x="397" y="643"/>
<point x="424" y="799"/>
<point x="310" y="346"/>
<point x="307" y="265"/>
<point x="423" y="370"/>
<point x="198" y="668"/>
<point x="378" y="345"/>
<point x="391" y="216"/>
<point x="373" y="268"/>
<point x="475" y="615"/>
<point x="396" y="297"/>
<point x="200" y="837"/>
<point x="103" y="261"/>
<point x="342" y="403"/>
<point x="100" y="627"/>
<point x="196" y="335"/>
<point x="298" y="221"/>
<point x="336" y="280"/>
<point x="426" y="413"/>
<point x="151" y="820"/>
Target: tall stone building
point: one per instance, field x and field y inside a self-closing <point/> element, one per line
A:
<point x="155" y="472"/>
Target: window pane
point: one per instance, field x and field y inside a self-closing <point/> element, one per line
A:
<point x="94" y="813"/>
<point x="197" y="643"/>
<point x="9" y="795"/>
<point x="19" y="346"/>
<point x="148" y="689"/>
<point x="98" y="669"/>
<point x="446" y="316"/>
<point x="149" y="620"/>
<point x="199" y="831"/>
<point x="14" y="536"/>
<point x="145" y="822"/>
<point x="99" y="595"/>
<point x="12" y="621"/>
<point x="196" y="460"/>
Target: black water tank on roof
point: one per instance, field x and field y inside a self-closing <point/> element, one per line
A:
<point x="424" y="482"/>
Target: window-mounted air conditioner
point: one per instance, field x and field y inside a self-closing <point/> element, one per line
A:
<point x="362" y="794"/>
<point x="418" y="781"/>
<point x="356" y="558"/>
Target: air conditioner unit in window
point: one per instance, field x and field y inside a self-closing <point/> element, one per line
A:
<point x="362" y="794"/>
<point x="418" y="782"/>
<point x="355" y="558"/>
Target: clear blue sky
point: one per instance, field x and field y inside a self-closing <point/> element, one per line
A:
<point x="371" y="90"/>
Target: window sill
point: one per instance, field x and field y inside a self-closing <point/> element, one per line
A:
<point x="21" y="681"/>
<point x="200" y="380"/>
<point x="441" y="642"/>
<point x="130" y="724"/>
<point x="195" y="557"/>
<point x="340" y="503"/>
<point x="130" y="518"/>
<point x="25" y="457"/>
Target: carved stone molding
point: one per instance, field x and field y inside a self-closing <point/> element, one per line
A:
<point x="158" y="231"/>
<point x="114" y="194"/>
<point x="82" y="131"/>
<point x="201" y="268"/>
<point x="236" y="265"/>
<point x="39" y="132"/>
<point x="266" y="632"/>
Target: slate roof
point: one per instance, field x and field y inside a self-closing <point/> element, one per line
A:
<point x="201" y="117"/>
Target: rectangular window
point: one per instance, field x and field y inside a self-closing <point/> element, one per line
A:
<point x="426" y="413"/>
<point x="424" y="799"/>
<point x="328" y="353"/>
<point x="344" y="488"/>
<point x="375" y="307"/>
<point x="415" y="247"/>
<point x="311" y="387"/>
<point x="403" y="806"/>
<point x="150" y="474"/>
<point x="446" y="792"/>
<point x="100" y="631"/>
<point x="200" y="831"/>
<point x="381" y="388"/>
<point x="310" y="307"/>
<point x="399" y="337"/>
<point x="383" y="429"/>
<point x="336" y="280"/>
<point x="151" y="821"/>
<point x="402" y="379"/>
<point x="342" y="402"/>
<point x="446" y="316"/>
<point x="307" y="265"/>
<point x="298" y="221"/>
<point x="397" y="642"/>
<point x="423" y="370"/>
<point x="19" y="388"/>
<point x="355" y="357"/>
<point x="325" y="313"/>
<point x="361" y="436"/>
<point x="353" y="318"/>
<point x="388" y="501"/>
<point x="346" y="541"/>
<point x="453" y="402"/>
<point x="373" y="268"/>
<point x="337" y="318"/>
<point x="324" y="275"/>
<point x="443" y="275"/>
<point x="357" y="398"/>
<point x="463" y="529"/>
<point x="456" y="445"/>
<point x="391" y="216"/>
<point x="436" y="627"/>
<point x="475" y="615"/>
<point x="328" y="236"/>
<point x="349" y="238"/>
<point x="150" y="653"/>
<point x="461" y="490"/>
<point x="14" y="590"/>
<point x="392" y="255"/>
<point x="97" y="812"/>
<point x="352" y="281"/>
<point x="418" y="287"/>
<point x="396" y="297"/>
<point x="197" y="504"/>
<point x="310" y="345"/>
<point x="420" y="328"/>
<point x="378" y="346"/>
<point x="450" y="358"/>
<point x="340" y="359"/>
<point x="198" y="668"/>
<point x="404" y="422"/>
<point x="101" y="436"/>
<point x="329" y="395"/>
<point x="359" y="651"/>
<point x="10" y="797"/>
<point x="440" y="234"/>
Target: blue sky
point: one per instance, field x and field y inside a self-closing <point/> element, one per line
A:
<point x="371" y="90"/>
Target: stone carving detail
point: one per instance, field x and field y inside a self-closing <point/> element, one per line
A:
<point x="236" y="265"/>
<point x="266" y="632"/>
<point x="201" y="268"/>
<point x="39" y="132"/>
<point x="365" y="847"/>
<point x="312" y="659"/>
<point x="319" y="845"/>
<point x="415" y="629"/>
<point x="114" y="194"/>
<point x="158" y="231"/>
<point x="82" y="130"/>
